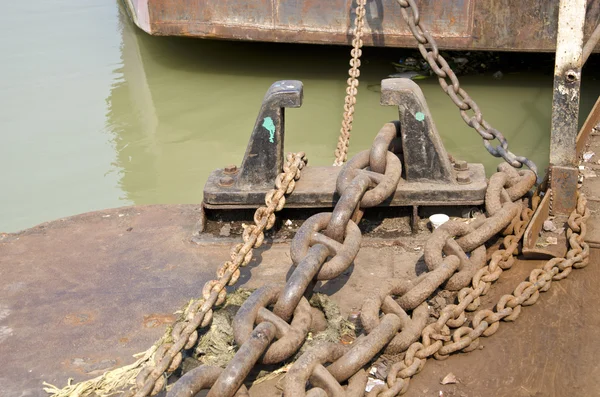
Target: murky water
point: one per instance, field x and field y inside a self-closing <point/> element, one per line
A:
<point x="95" y="113"/>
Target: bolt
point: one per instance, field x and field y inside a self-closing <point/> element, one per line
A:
<point x="226" y="181"/>
<point x="572" y="75"/>
<point x="463" y="177"/>
<point x="230" y="169"/>
<point x="461" y="165"/>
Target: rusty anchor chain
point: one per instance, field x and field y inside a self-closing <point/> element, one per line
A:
<point x="326" y="245"/>
<point x="323" y="248"/>
<point x="446" y="255"/>
<point x="447" y="80"/>
<point x="341" y="151"/>
<point x="451" y="86"/>
<point x="198" y="314"/>
<point x="436" y="337"/>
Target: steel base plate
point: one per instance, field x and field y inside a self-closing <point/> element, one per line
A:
<point x="316" y="189"/>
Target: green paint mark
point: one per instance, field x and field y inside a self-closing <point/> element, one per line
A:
<point x="419" y="116"/>
<point x="268" y="124"/>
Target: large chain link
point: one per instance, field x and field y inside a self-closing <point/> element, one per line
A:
<point x="327" y="243"/>
<point x="341" y="151"/>
<point x="469" y="110"/>
<point x="198" y="314"/>
<point x="324" y="246"/>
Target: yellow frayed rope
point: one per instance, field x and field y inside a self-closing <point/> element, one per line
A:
<point x="108" y="384"/>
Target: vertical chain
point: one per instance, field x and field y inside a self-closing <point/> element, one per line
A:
<point x="341" y="152"/>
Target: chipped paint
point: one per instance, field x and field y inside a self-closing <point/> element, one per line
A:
<point x="269" y="126"/>
<point x="572" y="93"/>
<point x="158" y="319"/>
<point x="4" y="312"/>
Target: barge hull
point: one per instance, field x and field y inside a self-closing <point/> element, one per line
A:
<point x="509" y="25"/>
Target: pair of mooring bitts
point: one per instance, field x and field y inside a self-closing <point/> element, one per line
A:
<point x="430" y="178"/>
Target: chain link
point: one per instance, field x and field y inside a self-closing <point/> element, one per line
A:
<point x="317" y="255"/>
<point x="341" y="151"/>
<point x="167" y="358"/>
<point x="326" y="245"/>
<point x="469" y="110"/>
<point x="436" y="338"/>
<point x="396" y="330"/>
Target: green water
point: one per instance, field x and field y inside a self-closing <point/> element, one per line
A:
<point x="95" y="113"/>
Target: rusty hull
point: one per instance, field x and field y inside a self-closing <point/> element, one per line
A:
<point x="508" y="25"/>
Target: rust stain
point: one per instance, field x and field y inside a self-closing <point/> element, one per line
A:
<point x="91" y="366"/>
<point x="465" y="24"/>
<point x="347" y="339"/>
<point x="157" y="319"/>
<point x="81" y="318"/>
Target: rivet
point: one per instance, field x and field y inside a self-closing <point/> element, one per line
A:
<point x="463" y="177"/>
<point x="226" y="181"/>
<point x="230" y="169"/>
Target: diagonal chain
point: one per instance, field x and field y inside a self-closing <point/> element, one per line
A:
<point x="198" y="313"/>
<point x="436" y="339"/>
<point x="469" y="110"/>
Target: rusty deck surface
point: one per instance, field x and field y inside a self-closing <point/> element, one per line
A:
<point x="510" y="25"/>
<point x="82" y="294"/>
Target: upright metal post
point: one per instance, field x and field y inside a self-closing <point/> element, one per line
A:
<point x="565" y="105"/>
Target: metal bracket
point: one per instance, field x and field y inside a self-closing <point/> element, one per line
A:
<point x="264" y="155"/>
<point x="425" y="158"/>
<point x="429" y="179"/>
<point x="263" y="159"/>
<point x="565" y="105"/>
<point x="536" y="247"/>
